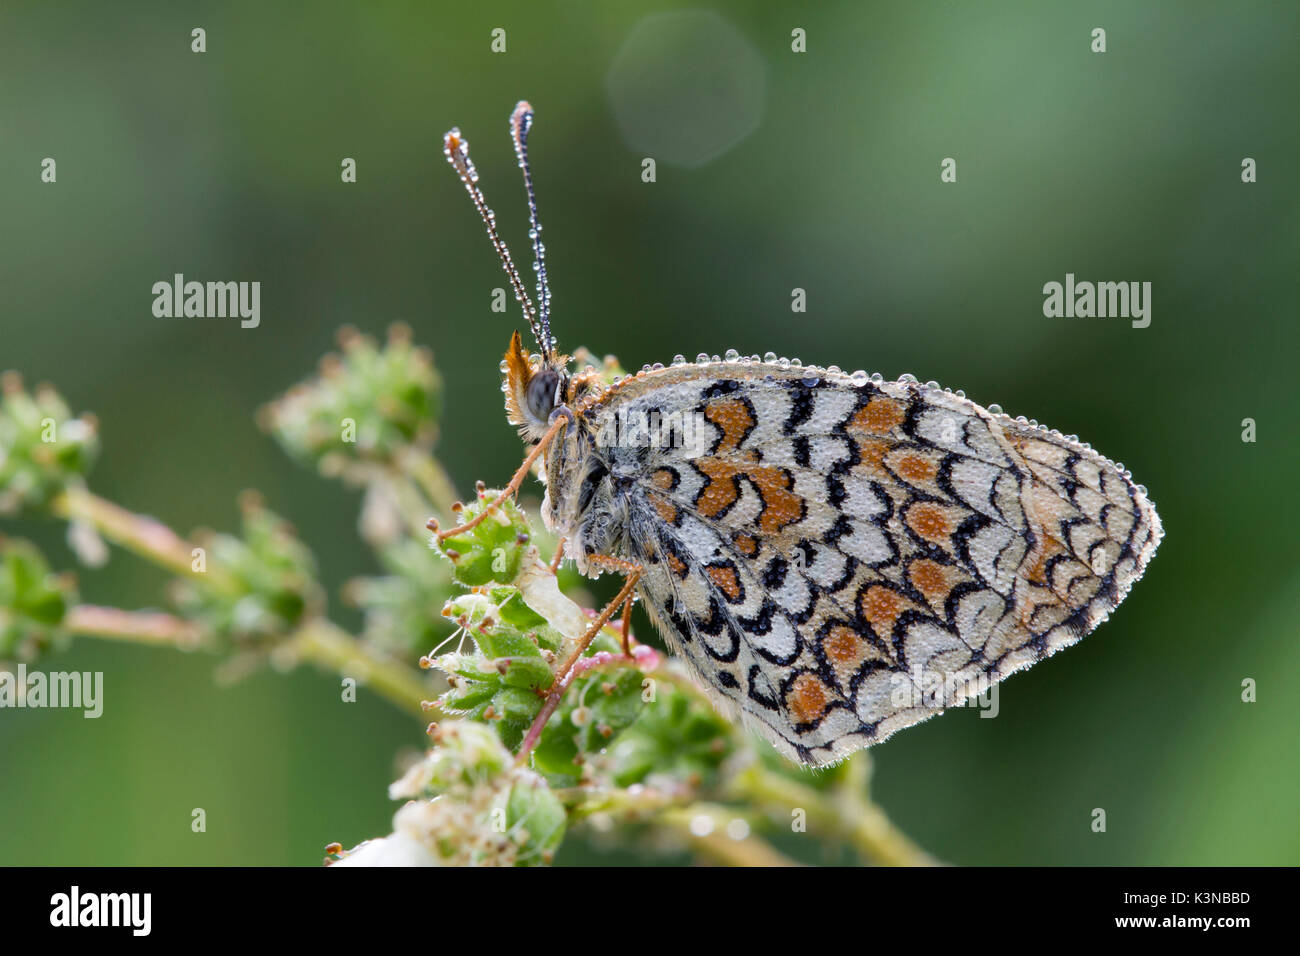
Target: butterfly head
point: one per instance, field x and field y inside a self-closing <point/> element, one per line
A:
<point x="534" y="388"/>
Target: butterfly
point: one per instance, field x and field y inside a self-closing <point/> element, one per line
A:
<point x="836" y="556"/>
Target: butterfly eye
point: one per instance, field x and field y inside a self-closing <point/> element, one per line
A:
<point x="543" y="393"/>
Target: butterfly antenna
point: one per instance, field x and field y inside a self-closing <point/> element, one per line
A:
<point x="521" y="122"/>
<point x="456" y="149"/>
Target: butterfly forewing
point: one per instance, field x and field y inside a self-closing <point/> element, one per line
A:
<point x="840" y="559"/>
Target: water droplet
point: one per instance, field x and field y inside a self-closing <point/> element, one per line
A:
<point x="732" y="355"/>
<point x="907" y="377"/>
<point x="503" y="365"/>
<point x="811" y="381"/>
<point x="859" y="377"/>
<point x="833" y="369"/>
<point x="877" y="377"/>
<point x="995" y="409"/>
<point x="702" y="358"/>
<point x="769" y="357"/>
<point x="796" y="363"/>
<point x="679" y="360"/>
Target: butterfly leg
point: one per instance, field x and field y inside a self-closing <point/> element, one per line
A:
<point x="625" y="626"/>
<point x="564" y="674"/>
<point x="624" y="597"/>
<point x="509" y="489"/>
<point x="557" y="557"/>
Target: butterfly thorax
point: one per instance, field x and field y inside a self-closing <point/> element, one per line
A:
<point x="586" y="500"/>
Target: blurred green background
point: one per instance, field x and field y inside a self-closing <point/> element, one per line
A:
<point x="817" y="170"/>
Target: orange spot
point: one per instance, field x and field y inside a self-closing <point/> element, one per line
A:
<point x="734" y="419"/>
<point x="781" y="506"/>
<point x="842" y="645"/>
<point x="807" y="698"/>
<point x="916" y="468"/>
<point x="746" y="544"/>
<point x="677" y="565"/>
<point x="872" y="451"/>
<point x="667" y="510"/>
<point x="720" y="493"/>
<point x="725" y="580"/>
<point x="930" y="579"/>
<point x="881" y="607"/>
<point x="929" y="521"/>
<point x="663" y="479"/>
<point x="879" y="417"/>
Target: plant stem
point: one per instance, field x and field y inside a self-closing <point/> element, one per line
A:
<point x="140" y="534"/>
<point x="140" y="627"/>
<point x="858" y="819"/>
<point x="715" y="843"/>
<point x="322" y="642"/>
<point x="319" y="641"/>
<point x="672" y="811"/>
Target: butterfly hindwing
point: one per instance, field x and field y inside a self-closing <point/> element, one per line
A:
<point x="839" y="559"/>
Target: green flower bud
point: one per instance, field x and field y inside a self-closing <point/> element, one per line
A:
<point x="492" y="550"/>
<point x="267" y="582"/>
<point x="33" y="601"/>
<point x="535" y="820"/>
<point x="43" y="448"/>
<point x="369" y="405"/>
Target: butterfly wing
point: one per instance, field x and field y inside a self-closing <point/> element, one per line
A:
<point x="840" y="559"/>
